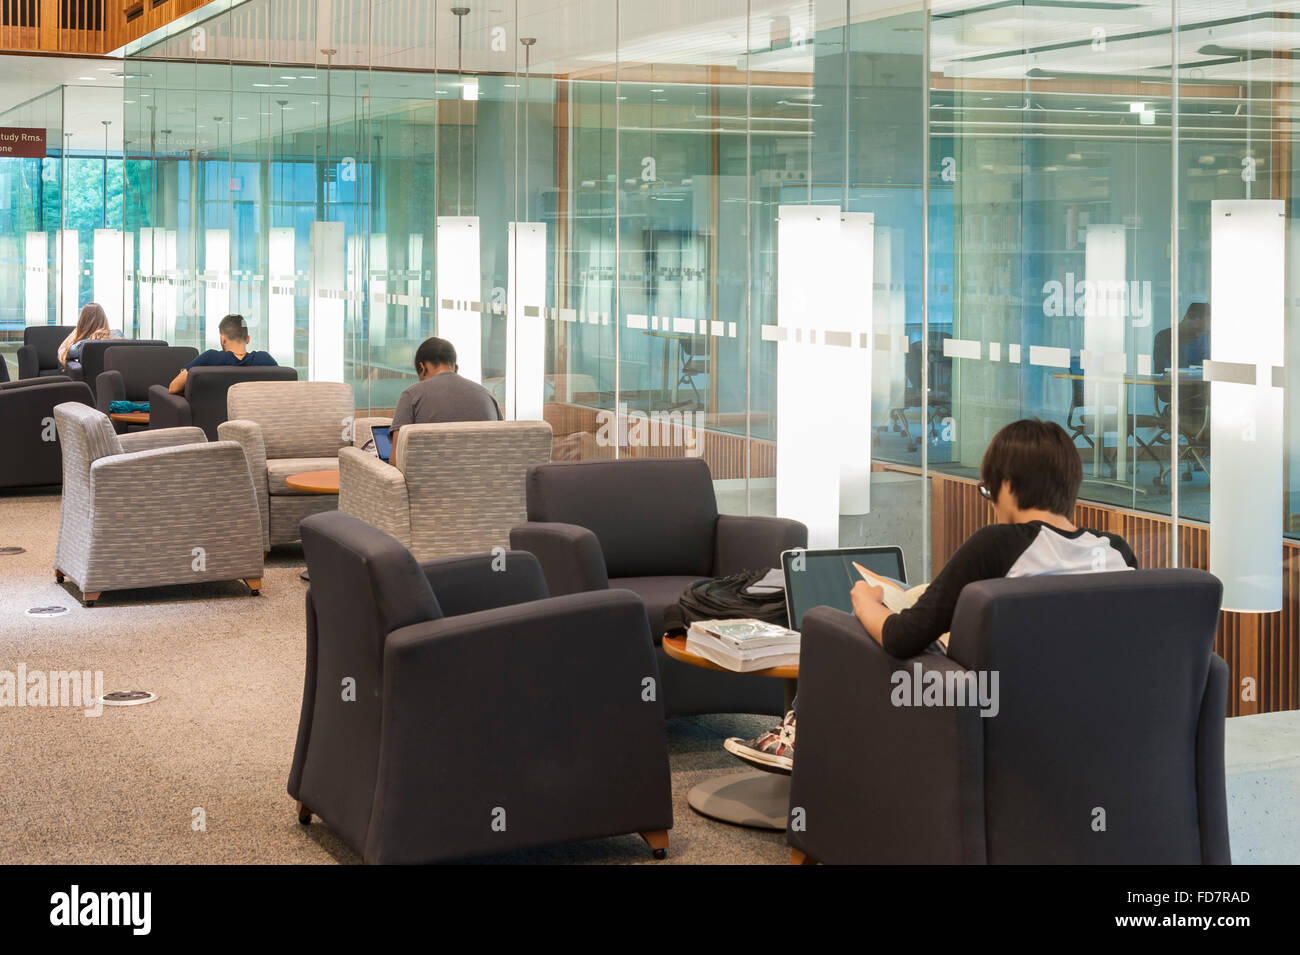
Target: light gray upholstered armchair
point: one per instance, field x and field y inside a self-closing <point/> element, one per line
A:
<point x="457" y="488"/>
<point x="152" y="508"/>
<point x="286" y="428"/>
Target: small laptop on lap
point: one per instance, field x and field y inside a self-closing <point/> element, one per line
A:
<point x="383" y="441"/>
<point x="816" y="578"/>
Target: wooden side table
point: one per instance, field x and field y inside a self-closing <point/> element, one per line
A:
<point x="130" y="417"/>
<point x="756" y="798"/>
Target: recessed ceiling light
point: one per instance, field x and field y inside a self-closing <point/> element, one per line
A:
<point x="512" y="86"/>
<point x="656" y="91"/>
<point x="288" y="77"/>
<point x="262" y="85"/>
<point x="302" y="77"/>
<point x="86" y="79"/>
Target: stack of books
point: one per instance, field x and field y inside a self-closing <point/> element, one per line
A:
<point x="743" y="645"/>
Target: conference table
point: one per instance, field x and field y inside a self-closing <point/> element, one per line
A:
<point x="1121" y="383"/>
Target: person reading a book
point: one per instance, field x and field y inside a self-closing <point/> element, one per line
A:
<point x="1031" y="474"/>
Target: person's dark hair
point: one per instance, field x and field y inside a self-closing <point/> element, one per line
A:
<point x="1039" y="461"/>
<point x="234" y="327"/>
<point x="435" y="352"/>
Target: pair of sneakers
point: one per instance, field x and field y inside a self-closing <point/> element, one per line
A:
<point x="773" y="750"/>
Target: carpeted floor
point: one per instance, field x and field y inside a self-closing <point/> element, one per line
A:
<point x="128" y="786"/>
<point x="228" y="670"/>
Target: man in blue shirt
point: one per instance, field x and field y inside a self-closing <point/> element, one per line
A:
<point x="234" y="351"/>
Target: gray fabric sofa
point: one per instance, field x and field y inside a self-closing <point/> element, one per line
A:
<point x="457" y="488"/>
<point x="203" y="404"/>
<point x="152" y="508"/>
<point x="487" y="716"/>
<point x="285" y="428"/>
<point x="1106" y="745"/>
<point x="32" y="457"/>
<point x="652" y="526"/>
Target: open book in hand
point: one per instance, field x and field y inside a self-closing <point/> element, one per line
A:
<point x="895" y="596"/>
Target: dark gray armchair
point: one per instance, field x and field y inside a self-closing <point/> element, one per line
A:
<point x="652" y="526"/>
<point x="38" y="356"/>
<point x="1106" y="746"/>
<point x="94" y="354"/>
<point x="484" y="717"/>
<point x="32" y="456"/>
<point x="129" y="373"/>
<point x="203" y="405"/>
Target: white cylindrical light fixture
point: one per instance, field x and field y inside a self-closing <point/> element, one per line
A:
<point x="414" y="284"/>
<point x="460" y="298"/>
<point x="325" y="328"/>
<point x="69" y="257"/>
<point x="378" y="288"/>
<point x="216" y="291"/>
<point x="108" y="274"/>
<point x="281" y="308"/>
<point x="526" y="327"/>
<point x="36" y="306"/>
<point x="850" y="352"/>
<point x="807" y="483"/>
<point x="1248" y="288"/>
<point x="146" y="278"/>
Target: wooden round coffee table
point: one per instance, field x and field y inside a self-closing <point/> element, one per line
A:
<point x="759" y="799"/>
<point x="130" y="417"/>
<point x="314" y="482"/>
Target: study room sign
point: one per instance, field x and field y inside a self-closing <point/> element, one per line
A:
<point x="19" y="142"/>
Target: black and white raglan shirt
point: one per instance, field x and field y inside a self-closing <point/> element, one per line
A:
<point x="1001" y="550"/>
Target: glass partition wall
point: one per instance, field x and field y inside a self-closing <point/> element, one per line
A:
<point x="829" y="247"/>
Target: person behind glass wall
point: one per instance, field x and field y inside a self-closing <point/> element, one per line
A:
<point x="1031" y="474"/>
<point x="92" y="325"/>
<point x="233" y="331"/>
<point x="1193" y="350"/>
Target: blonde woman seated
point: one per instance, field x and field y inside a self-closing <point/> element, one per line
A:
<point x="92" y="325"/>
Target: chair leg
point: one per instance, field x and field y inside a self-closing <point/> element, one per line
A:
<point x="657" y="840"/>
<point x="304" y="814"/>
<point x="801" y="858"/>
<point x="254" y="585"/>
<point x="58" y="576"/>
<point x="89" y="599"/>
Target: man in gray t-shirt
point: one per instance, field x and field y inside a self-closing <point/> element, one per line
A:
<point x="441" y="394"/>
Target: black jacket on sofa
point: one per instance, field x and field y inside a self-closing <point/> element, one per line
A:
<point x="487" y="717"/>
<point x="1106" y="745"/>
<point x="651" y="525"/>
<point x="27" y="420"/>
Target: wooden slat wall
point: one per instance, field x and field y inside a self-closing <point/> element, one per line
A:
<point x="1264" y="647"/>
<point x="85" y="27"/>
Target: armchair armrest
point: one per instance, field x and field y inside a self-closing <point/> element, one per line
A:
<point x="109" y="387"/>
<point x="248" y="435"/>
<point x="578" y="731"/>
<point x="163" y="438"/>
<point x="880" y="782"/>
<point x="485" y="581"/>
<point x="570" y="556"/>
<point x="167" y="410"/>
<point x="751" y="543"/>
<point x="375" y="492"/>
<point x="29" y="363"/>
